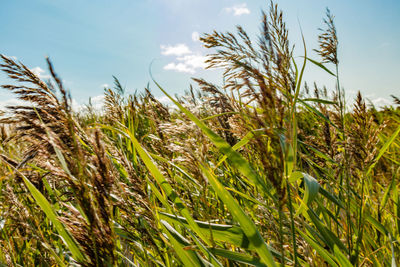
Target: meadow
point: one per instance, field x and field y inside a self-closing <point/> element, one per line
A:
<point x="265" y="170"/>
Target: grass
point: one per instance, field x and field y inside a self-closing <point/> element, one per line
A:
<point x="259" y="172"/>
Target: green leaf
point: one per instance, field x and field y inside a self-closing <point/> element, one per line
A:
<point x="311" y="191"/>
<point x="178" y="242"/>
<point x="239" y="257"/>
<point x="320" y="250"/>
<point x="69" y="241"/>
<point x="343" y="261"/>
<point x="383" y="149"/>
<point x="329" y="237"/>
<point x="321" y="66"/>
<point x="295" y="176"/>
<point x="163" y="183"/>
<point x="231" y="234"/>
<point x="387" y="193"/>
<point x="239" y="215"/>
<point x="234" y="157"/>
<point x="318" y="113"/>
<point x="239" y="144"/>
<point x="318" y="100"/>
<point x="312" y="188"/>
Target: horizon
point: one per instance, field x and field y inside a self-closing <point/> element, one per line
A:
<point x="88" y="44"/>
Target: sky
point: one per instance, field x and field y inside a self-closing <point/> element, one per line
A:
<point x="90" y="41"/>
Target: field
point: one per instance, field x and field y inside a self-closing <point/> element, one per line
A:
<point x="262" y="171"/>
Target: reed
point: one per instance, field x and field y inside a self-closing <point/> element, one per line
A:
<point x="260" y="171"/>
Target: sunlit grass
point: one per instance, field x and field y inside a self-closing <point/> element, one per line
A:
<point x="260" y="172"/>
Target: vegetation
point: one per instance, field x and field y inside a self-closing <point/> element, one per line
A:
<point x="263" y="171"/>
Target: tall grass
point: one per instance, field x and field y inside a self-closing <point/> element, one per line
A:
<point x="262" y="171"/>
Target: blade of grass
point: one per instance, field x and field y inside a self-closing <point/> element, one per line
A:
<point x="235" y="158"/>
<point x="72" y="245"/>
<point x="239" y="215"/>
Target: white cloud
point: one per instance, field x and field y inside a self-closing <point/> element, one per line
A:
<point x="105" y="85"/>
<point x="41" y="73"/>
<point x="194" y="61"/>
<point x="238" y="10"/>
<point x="179" y="67"/>
<point x="12" y="102"/>
<point x="164" y="100"/>
<point x="177" y="50"/>
<point x="381" y="102"/>
<point x="188" y="64"/>
<point x="97" y="104"/>
<point x="195" y="36"/>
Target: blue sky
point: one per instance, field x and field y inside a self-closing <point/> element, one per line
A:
<point x="89" y="41"/>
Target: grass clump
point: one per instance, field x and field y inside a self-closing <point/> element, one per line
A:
<point x="259" y="172"/>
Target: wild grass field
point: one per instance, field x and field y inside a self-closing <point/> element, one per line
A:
<point x="262" y="171"/>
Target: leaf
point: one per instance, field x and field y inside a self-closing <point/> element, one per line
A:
<point x="311" y="191"/>
<point x="234" y="157"/>
<point x="72" y="245"/>
<point x="343" y="261"/>
<point x="387" y="193"/>
<point x="239" y="144"/>
<point x="320" y="250"/>
<point x="231" y="234"/>
<point x="318" y="113"/>
<point x="330" y="238"/>
<point x="163" y="183"/>
<point x="238" y="214"/>
<point x="318" y="100"/>
<point x="188" y="257"/>
<point x="295" y="176"/>
<point x="239" y="257"/>
<point x="321" y="66"/>
<point x="312" y="188"/>
<point x="383" y="149"/>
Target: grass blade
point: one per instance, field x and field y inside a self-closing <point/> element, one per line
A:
<point x="245" y="222"/>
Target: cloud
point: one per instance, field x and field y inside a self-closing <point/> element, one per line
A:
<point x="194" y="61"/>
<point x="41" y="73"/>
<point x="105" y="85"/>
<point x="238" y="10"/>
<point x="381" y="102"/>
<point x="177" y="50"/>
<point x="179" y="67"/>
<point x="96" y="101"/>
<point x="164" y="100"/>
<point x="12" y="102"/>
<point x="188" y="63"/>
<point x="195" y="36"/>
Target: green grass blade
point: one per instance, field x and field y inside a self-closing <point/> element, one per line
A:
<point x="383" y="149"/>
<point x="316" y="112"/>
<point x="163" y="183"/>
<point x="318" y="100"/>
<point x="231" y="234"/>
<point x="72" y="245"/>
<point x="238" y="257"/>
<point x="238" y="145"/>
<point x="320" y="250"/>
<point x="321" y="66"/>
<point x="178" y="242"/>
<point x="239" y="215"/>
<point x="235" y="158"/>
<point x="343" y="261"/>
